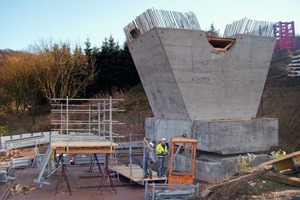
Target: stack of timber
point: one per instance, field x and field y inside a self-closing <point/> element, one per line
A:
<point x="293" y="67"/>
<point x="284" y="169"/>
<point x="81" y="144"/>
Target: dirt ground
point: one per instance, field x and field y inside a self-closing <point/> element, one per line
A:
<point x="82" y="187"/>
<point x="254" y="187"/>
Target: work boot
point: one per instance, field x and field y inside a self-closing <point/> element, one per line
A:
<point x="145" y="176"/>
<point x="150" y="176"/>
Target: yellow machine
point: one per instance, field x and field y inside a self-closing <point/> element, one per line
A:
<point x="188" y="148"/>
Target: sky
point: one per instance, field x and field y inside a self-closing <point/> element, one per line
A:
<point x="27" y="22"/>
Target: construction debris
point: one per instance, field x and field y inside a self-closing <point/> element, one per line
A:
<point x="21" y="189"/>
<point x="284" y="168"/>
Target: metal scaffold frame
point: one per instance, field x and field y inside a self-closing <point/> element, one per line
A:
<point x="95" y="117"/>
<point x="285" y="35"/>
<point x="84" y="126"/>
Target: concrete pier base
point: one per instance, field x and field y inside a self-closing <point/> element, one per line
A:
<point x="212" y="95"/>
<point x="224" y="137"/>
<point x="213" y="168"/>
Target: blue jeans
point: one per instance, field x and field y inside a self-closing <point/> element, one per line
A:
<point x="161" y="164"/>
<point x="148" y="167"/>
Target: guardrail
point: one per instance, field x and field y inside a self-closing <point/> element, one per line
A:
<point x="20" y="137"/>
<point x="25" y="142"/>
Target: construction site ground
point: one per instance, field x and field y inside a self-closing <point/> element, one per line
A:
<point x="83" y="186"/>
<point x="252" y="187"/>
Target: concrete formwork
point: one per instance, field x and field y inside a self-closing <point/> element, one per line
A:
<point x="186" y="78"/>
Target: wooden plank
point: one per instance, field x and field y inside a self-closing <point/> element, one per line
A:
<point x="87" y="150"/>
<point x="83" y="152"/>
<point x="137" y="173"/>
<point x="270" y="163"/>
<point x="294" y="181"/>
<point x="83" y="144"/>
<point x="283" y="165"/>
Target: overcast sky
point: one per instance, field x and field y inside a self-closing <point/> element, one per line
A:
<point x="25" y="22"/>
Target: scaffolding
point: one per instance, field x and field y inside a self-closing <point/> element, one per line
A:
<point x="84" y="126"/>
<point x="84" y="116"/>
<point x="285" y="35"/>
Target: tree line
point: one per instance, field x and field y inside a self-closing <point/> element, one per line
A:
<point x="51" y="70"/>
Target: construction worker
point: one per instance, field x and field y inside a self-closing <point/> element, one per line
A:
<point x="161" y="152"/>
<point x="149" y="159"/>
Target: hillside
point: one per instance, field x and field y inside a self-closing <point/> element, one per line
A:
<point x="281" y="100"/>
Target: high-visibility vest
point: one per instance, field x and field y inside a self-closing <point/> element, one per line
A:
<point x="160" y="151"/>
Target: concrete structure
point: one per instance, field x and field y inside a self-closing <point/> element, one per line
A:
<point x="219" y="136"/>
<point x="213" y="167"/>
<point x="196" y="86"/>
<point x="185" y="78"/>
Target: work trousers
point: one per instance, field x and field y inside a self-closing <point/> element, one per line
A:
<point x="148" y="167"/>
<point x="161" y="164"/>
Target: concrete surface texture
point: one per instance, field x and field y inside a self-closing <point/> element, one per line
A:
<point x="213" y="168"/>
<point x="185" y="78"/>
<point x="219" y="136"/>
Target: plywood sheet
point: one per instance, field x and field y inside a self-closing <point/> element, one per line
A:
<point x="137" y="173"/>
<point x="83" y="144"/>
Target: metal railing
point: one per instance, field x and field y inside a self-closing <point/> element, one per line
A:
<point x="158" y="191"/>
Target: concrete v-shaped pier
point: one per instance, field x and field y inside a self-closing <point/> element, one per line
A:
<point x="195" y="87"/>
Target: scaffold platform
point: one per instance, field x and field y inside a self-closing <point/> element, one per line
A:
<point x="136" y="174"/>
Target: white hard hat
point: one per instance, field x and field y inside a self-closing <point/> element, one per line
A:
<point x="151" y="144"/>
<point x="163" y="139"/>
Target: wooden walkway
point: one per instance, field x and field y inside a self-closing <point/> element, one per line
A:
<point x="137" y="174"/>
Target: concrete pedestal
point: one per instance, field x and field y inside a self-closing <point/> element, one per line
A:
<point x="213" y="167"/>
<point x="224" y="137"/>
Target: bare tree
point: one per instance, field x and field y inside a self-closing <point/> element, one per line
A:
<point x="62" y="72"/>
<point x="18" y="81"/>
<point x="48" y="71"/>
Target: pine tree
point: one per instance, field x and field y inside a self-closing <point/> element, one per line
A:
<point x="213" y="32"/>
